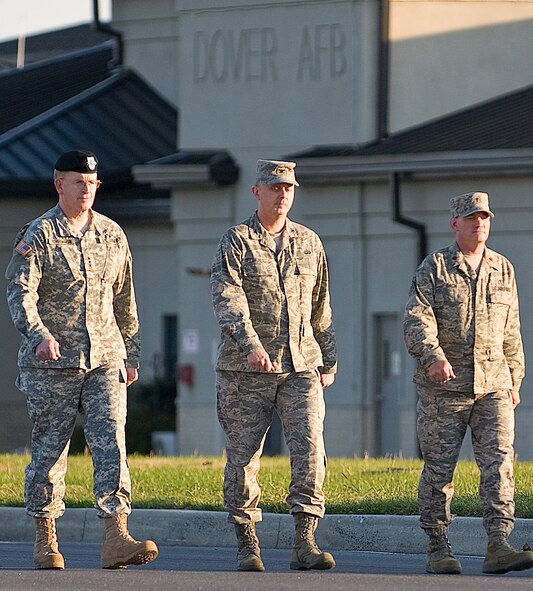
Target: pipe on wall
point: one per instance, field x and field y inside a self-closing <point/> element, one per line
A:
<point x="382" y="114"/>
<point x="118" y="58"/>
<point x="399" y="218"/>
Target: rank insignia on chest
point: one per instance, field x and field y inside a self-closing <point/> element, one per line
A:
<point x="23" y="248"/>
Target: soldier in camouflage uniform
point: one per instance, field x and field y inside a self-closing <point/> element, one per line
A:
<point x="71" y="297"/>
<point x="277" y="352"/>
<point x="462" y="326"/>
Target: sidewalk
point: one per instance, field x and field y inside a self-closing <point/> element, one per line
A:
<point x="375" y="533"/>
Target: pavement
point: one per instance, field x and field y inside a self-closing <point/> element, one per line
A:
<point x="373" y="533"/>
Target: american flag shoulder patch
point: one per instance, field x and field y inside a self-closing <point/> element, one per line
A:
<point x="23" y="248"/>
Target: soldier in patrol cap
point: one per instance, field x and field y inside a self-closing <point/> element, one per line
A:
<point x="270" y="292"/>
<point x="462" y="326"/>
<point x="71" y="297"/>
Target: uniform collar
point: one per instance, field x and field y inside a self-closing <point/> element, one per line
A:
<point x="489" y="257"/>
<point x="258" y="232"/>
<point x="64" y="226"/>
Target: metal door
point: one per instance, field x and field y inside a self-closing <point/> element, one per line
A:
<point x="387" y="384"/>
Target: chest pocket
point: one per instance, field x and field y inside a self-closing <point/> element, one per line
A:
<point x="64" y="255"/>
<point x="258" y="268"/>
<point x="447" y="294"/>
<point x="110" y="250"/>
<point x="502" y="296"/>
<point x="305" y="265"/>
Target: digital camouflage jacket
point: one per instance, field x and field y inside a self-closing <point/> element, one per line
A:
<point x="78" y="289"/>
<point x="471" y="319"/>
<point x="276" y="301"/>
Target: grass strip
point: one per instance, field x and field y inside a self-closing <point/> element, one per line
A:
<point x="382" y="486"/>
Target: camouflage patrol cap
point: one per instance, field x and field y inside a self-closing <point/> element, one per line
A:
<point x="77" y="161"/>
<point x="270" y="172"/>
<point x="469" y="203"/>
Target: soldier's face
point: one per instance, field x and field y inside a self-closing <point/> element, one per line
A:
<point x="274" y="200"/>
<point x="472" y="229"/>
<point x="76" y="191"/>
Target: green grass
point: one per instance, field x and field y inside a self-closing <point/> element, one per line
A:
<point x="360" y="486"/>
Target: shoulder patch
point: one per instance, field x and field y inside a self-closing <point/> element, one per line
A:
<point x="23" y="248"/>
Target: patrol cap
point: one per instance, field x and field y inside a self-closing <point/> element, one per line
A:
<point x="270" y="172"/>
<point x="469" y="203"/>
<point x="77" y="161"/>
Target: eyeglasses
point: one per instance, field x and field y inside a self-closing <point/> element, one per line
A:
<point x="90" y="184"/>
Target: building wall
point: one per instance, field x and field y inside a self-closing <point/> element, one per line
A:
<point x="15" y="426"/>
<point x="156" y="282"/>
<point x="150" y="37"/>
<point x="264" y="78"/>
<point x="449" y="54"/>
<point x="154" y="255"/>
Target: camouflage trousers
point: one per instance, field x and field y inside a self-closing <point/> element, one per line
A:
<point x="54" y="398"/>
<point x="443" y="417"/>
<point x="245" y="403"/>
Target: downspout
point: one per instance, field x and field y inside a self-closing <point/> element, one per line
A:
<point x="382" y="115"/>
<point x="118" y="58"/>
<point x="382" y="118"/>
<point x="400" y="219"/>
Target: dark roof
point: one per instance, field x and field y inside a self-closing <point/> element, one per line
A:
<point x="56" y="43"/>
<point x="502" y="123"/>
<point x="32" y="90"/>
<point x="122" y="119"/>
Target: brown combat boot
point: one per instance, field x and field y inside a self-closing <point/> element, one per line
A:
<point x="46" y="551"/>
<point x="502" y="557"/>
<point x="305" y="553"/>
<point x="440" y="560"/>
<point x="119" y="549"/>
<point x="249" y="553"/>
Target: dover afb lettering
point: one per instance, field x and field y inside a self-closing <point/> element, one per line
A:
<point x="254" y="55"/>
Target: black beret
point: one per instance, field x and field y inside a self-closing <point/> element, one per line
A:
<point x="77" y="161"/>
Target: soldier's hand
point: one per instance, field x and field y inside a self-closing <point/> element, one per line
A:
<point x="132" y="375"/>
<point x="515" y="397"/>
<point x="326" y="379"/>
<point x="48" y="350"/>
<point x="441" y="371"/>
<point x="258" y="360"/>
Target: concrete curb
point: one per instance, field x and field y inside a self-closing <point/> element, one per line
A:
<point x="376" y="533"/>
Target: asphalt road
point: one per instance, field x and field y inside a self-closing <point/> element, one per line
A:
<point x="204" y="569"/>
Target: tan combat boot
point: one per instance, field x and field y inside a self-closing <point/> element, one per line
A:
<point x="440" y="559"/>
<point x="119" y="549"/>
<point x="305" y="553"/>
<point x="249" y="553"/>
<point x="46" y="552"/>
<point x="502" y="557"/>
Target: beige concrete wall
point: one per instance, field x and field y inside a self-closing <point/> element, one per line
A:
<point x="449" y="54"/>
<point x="263" y="79"/>
<point x="155" y="275"/>
<point x="14" y="424"/>
<point x="372" y="260"/>
<point x="258" y="75"/>
<point x="150" y="35"/>
<point x="156" y="283"/>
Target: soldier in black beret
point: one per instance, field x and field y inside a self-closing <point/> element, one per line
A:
<point x="77" y="161"/>
<point x="71" y="297"/>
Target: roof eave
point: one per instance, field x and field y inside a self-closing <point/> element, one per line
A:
<point x="171" y="176"/>
<point x="342" y="169"/>
<point x="219" y="170"/>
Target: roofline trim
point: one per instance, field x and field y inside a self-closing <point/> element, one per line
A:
<point x="64" y="57"/>
<point x="338" y="169"/>
<point x="170" y="176"/>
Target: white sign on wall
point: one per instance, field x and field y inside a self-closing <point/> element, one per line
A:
<point x="191" y="340"/>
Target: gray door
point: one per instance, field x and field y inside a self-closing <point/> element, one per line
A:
<point x="387" y="383"/>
